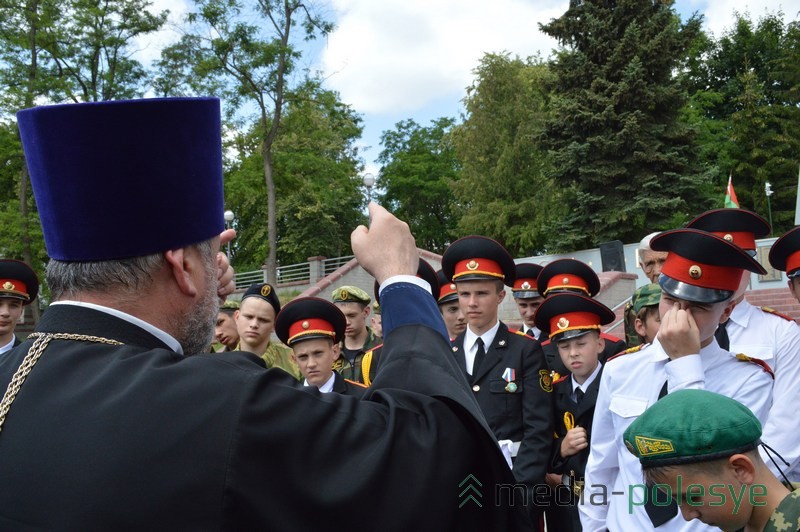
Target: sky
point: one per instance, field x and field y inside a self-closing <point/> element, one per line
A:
<point x="393" y="60"/>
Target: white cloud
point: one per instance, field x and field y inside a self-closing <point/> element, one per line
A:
<point x="399" y="55"/>
<point x="721" y="14"/>
<point x="148" y="47"/>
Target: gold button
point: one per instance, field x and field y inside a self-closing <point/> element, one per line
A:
<point x="476" y="388"/>
<point x="695" y="271"/>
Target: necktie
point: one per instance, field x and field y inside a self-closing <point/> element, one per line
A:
<point x="664" y="511"/>
<point x="721" y="334"/>
<point x="578" y="396"/>
<point x="529" y="332"/>
<point x="481" y="353"/>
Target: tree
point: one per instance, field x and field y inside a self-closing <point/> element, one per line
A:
<point x="318" y="198"/>
<point x="249" y="64"/>
<point x="504" y="191"/>
<point x="418" y="169"/>
<point x="615" y="134"/>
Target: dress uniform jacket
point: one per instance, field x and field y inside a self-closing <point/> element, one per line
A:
<point x="347" y="387"/>
<point x="632" y="382"/>
<point x="775" y="340"/>
<point x="563" y="516"/>
<point x="138" y="437"/>
<point x="524" y="415"/>
<point x="613" y="346"/>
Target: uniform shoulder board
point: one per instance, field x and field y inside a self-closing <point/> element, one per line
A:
<point x="611" y="337"/>
<point x="628" y="351"/>
<point x="359" y="384"/>
<point x="559" y="378"/>
<point x="546" y="342"/>
<point x="520" y="333"/>
<point x="771" y="310"/>
<point x="757" y="362"/>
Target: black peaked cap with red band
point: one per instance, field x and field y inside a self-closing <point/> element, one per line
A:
<point x="701" y="267"/>
<point x="739" y="226"/>
<point x="425" y="272"/>
<point x="525" y="286"/>
<point x="568" y="275"/>
<point x="447" y="289"/>
<point x="18" y="281"/>
<point x="785" y="253"/>
<point x="478" y="258"/>
<point x="569" y="315"/>
<point x="307" y="318"/>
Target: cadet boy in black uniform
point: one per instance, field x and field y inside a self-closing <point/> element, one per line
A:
<point x="527" y="297"/>
<point x="506" y="369"/>
<point x="313" y="328"/>
<point x="18" y="287"/>
<point x="570" y="275"/>
<point x="454" y="318"/>
<point x="572" y="322"/>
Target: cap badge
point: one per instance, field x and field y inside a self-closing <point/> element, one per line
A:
<point x="526" y="285"/>
<point x="728" y="237"/>
<point x="8" y="285"/>
<point x="651" y="446"/>
<point x="565" y="280"/>
<point x="562" y="323"/>
<point x="343" y="295"/>
<point x="452" y="286"/>
<point x="695" y="271"/>
<point x="472" y="265"/>
<point x="265" y="290"/>
<point x="305" y="325"/>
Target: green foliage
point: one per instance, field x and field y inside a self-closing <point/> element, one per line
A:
<point x="614" y="131"/>
<point x="417" y="173"/>
<point x="504" y="191"/>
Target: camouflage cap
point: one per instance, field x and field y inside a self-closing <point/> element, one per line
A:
<point x="350" y="294"/>
<point x="690" y="426"/>
<point x="230" y="304"/>
<point x="648" y="295"/>
<point x="376" y="308"/>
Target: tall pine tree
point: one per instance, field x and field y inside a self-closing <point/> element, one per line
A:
<point x="614" y="133"/>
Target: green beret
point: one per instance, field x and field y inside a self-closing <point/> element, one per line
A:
<point x="646" y="296"/>
<point x="690" y="426"/>
<point x="350" y="294"/>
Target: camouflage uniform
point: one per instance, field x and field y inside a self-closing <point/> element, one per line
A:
<point x="786" y="517"/>
<point x="353" y="371"/>
<point x="279" y="356"/>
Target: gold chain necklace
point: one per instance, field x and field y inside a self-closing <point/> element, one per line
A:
<point x="36" y="350"/>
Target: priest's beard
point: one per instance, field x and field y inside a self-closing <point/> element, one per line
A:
<point x="197" y="327"/>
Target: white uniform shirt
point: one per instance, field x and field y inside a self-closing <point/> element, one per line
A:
<point x="9" y="346"/>
<point x="776" y="341"/>
<point x="628" y="385"/>
<point x="471" y="344"/>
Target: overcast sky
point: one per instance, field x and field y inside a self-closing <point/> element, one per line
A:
<point x="397" y="59"/>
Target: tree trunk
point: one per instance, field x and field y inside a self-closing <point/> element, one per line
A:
<point x="272" y="229"/>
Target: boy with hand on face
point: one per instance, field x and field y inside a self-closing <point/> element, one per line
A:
<point x="313" y="328"/>
<point x="573" y="323"/>
<point x="710" y="464"/>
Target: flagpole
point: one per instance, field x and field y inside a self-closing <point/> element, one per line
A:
<point x="797" y="205"/>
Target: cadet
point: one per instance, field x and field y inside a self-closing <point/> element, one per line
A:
<point x="225" y="332"/>
<point x="506" y="369"/>
<point x="255" y="321"/>
<point x="454" y="318"/>
<point x="19" y="286"/>
<point x="527" y="297"/>
<point x="644" y="309"/>
<point x="710" y="464"/>
<point x="375" y="320"/>
<point x="698" y="281"/>
<point x="570" y="275"/>
<point x="371" y="360"/>
<point x="785" y="256"/>
<point x="764" y="334"/>
<point x="313" y="328"/>
<point x="118" y="420"/>
<point x="572" y="322"/>
<point x="358" y="336"/>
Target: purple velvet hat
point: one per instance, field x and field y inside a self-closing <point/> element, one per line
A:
<point x="122" y="179"/>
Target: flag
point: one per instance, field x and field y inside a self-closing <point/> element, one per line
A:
<point x="731" y="202"/>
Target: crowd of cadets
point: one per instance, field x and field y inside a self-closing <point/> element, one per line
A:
<point x="558" y="393"/>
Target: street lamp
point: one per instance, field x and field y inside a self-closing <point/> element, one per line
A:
<point x="369" y="181"/>
<point x="769" y="192"/>
<point x="229" y="217"/>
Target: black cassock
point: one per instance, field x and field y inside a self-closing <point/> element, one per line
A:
<point x="137" y="437"/>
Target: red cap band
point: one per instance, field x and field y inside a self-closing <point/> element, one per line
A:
<point x="793" y="261"/>
<point x="310" y="326"/>
<point x="13" y="286"/>
<point x="567" y="280"/>
<point x="446" y="290"/>
<point x="572" y="321"/>
<point x="702" y="275"/>
<point x="478" y="266"/>
<point x="745" y="239"/>
<point x="525" y="284"/>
